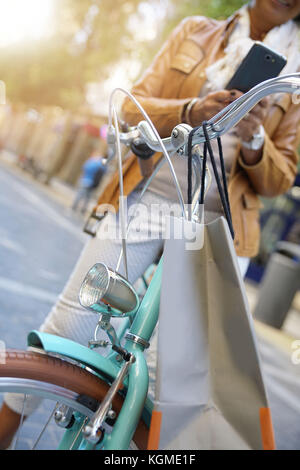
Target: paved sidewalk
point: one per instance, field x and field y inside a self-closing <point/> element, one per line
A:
<point x="35" y="265"/>
<point x="60" y="192"/>
<point x="40" y="241"/>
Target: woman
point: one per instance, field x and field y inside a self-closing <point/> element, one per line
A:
<point x="186" y="83"/>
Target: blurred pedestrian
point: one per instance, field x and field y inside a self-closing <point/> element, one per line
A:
<point x="185" y="83"/>
<point x="93" y="171"/>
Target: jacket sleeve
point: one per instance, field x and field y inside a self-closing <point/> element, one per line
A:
<point x="275" y="173"/>
<point x="165" y="113"/>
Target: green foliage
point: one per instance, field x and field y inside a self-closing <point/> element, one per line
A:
<point x="91" y="36"/>
<point x="213" y="8"/>
<point x="56" y="71"/>
<point x="219" y="9"/>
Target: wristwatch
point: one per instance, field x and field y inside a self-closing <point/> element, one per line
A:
<point x="257" y="140"/>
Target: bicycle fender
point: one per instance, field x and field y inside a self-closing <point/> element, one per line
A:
<point x="64" y="347"/>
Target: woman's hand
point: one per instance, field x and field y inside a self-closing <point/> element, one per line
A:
<point x="250" y="126"/>
<point x="206" y="108"/>
<point x="252" y="121"/>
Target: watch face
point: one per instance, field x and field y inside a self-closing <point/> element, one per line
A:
<point x="257" y="142"/>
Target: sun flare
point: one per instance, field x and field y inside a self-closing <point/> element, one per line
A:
<point x="22" y="20"/>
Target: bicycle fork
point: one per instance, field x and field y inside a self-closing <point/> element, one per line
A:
<point x="93" y="432"/>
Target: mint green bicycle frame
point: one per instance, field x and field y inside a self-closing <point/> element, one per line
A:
<point x="145" y="319"/>
<point x="136" y="402"/>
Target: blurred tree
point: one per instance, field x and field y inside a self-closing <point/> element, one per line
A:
<point x="213" y="8"/>
<point x="218" y="9"/>
<point x="90" y="37"/>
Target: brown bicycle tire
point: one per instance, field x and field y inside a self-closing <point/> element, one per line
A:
<point x="44" y="368"/>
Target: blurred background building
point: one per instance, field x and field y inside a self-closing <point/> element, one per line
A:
<point x="59" y="62"/>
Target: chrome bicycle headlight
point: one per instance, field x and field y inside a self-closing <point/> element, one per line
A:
<point x="106" y="291"/>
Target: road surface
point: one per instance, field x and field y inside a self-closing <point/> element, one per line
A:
<point x="39" y="244"/>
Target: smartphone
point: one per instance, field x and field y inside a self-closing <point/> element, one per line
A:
<point x="260" y="64"/>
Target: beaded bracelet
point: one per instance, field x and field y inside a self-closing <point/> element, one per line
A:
<point x="188" y="111"/>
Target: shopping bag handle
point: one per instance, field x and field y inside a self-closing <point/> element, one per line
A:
<point x="223" y="190"/>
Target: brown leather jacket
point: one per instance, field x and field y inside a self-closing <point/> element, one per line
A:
<point x="177" y="75"/>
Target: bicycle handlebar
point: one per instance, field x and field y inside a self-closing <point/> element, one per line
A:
<point x="218" y="125"/>
<point x="236" y="111"/>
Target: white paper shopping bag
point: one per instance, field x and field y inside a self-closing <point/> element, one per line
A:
<point x="209" y="387"/>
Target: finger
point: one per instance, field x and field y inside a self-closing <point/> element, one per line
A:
<point x="247" y="128"/>
<point x="264" y="102"/>
<point x="224" y="96"/>
<point x="252" y="120"/>
<point x="261" y="108"/>
<point x="258" y="112"/>
<point x="216" y="107"/>
<point x="235" y="94"/>
<point x="243" y="132"/>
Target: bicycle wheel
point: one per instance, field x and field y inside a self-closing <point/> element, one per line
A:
<point x="31" y="373"/>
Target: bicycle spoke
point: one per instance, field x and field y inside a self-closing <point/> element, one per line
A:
<point x="21" y="424"/>
<point x="78" y="433"/>
<point x="45" y="427"/>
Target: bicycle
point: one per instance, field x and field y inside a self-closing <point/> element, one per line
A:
<point x="89" y="389"/>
